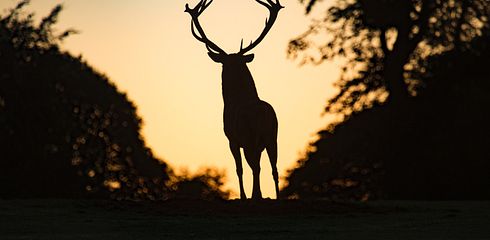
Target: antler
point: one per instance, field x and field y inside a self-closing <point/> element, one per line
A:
<point x="195" y="13"/>
<point x="274" y="8"/>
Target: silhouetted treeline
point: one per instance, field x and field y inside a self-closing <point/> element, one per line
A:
<point x="65" y="129"/>
<point x="415" y="108"/>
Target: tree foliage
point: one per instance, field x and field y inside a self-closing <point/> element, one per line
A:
<point x="65" y="129"/>
<point x="425" y="62"/>
<point x="385" y="44"/>
<point x="436" y="149"/>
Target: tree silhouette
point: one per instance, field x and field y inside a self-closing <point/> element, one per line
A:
<point x="385" y="44"/>
<point x="65" y="129"/>
<point x="431" y="146"/>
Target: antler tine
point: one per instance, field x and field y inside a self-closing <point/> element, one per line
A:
<point x="264" y="4"/>
<point x="270" y="4"/>
<point x="195" y="13"/>
<point x="198" y="9"/>
<point x="205" y="5"/>
<point x="195" y="34"/>
<point x="274" y="8"/>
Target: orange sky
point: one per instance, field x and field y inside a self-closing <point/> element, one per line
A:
<point x="146" y="48"/>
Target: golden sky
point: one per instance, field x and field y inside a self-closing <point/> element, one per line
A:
<point x="147" y="49"/>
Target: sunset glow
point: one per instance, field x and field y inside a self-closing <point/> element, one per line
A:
<point x="146" y="48"/>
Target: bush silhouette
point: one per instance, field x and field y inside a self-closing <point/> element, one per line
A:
<point x="206" y="184"/>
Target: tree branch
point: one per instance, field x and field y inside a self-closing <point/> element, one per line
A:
<point x="382" y="39"/>
<point x="428" y="7"/>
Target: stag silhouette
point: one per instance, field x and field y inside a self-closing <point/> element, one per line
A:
<point x="249" y="122"/>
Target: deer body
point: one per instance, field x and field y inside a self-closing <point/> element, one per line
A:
<point x="249" y="122"/>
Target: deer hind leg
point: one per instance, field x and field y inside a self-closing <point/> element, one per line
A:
<point x="235" y="150"/>
<point x="272" y="153"/>
<point x="253" y="159"/>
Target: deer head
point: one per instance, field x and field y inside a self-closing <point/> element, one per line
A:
<point x="214" y="51"/>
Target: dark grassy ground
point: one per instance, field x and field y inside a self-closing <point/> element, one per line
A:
<point x="95" y="219"/>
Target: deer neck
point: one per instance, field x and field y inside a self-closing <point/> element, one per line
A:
<point x="238" y="86"/>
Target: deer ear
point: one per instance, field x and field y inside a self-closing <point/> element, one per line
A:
<point x="248" y="58"/>
<point x="216" y="57"/>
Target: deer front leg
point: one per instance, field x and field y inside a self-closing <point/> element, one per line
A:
<point x="253" y="159"/>
<point x="272" y="152"/>
<point x="235" y="150"/>
<point x="256" y="192"/>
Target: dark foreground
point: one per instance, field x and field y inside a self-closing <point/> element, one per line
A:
<point x="95" y="219"/>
